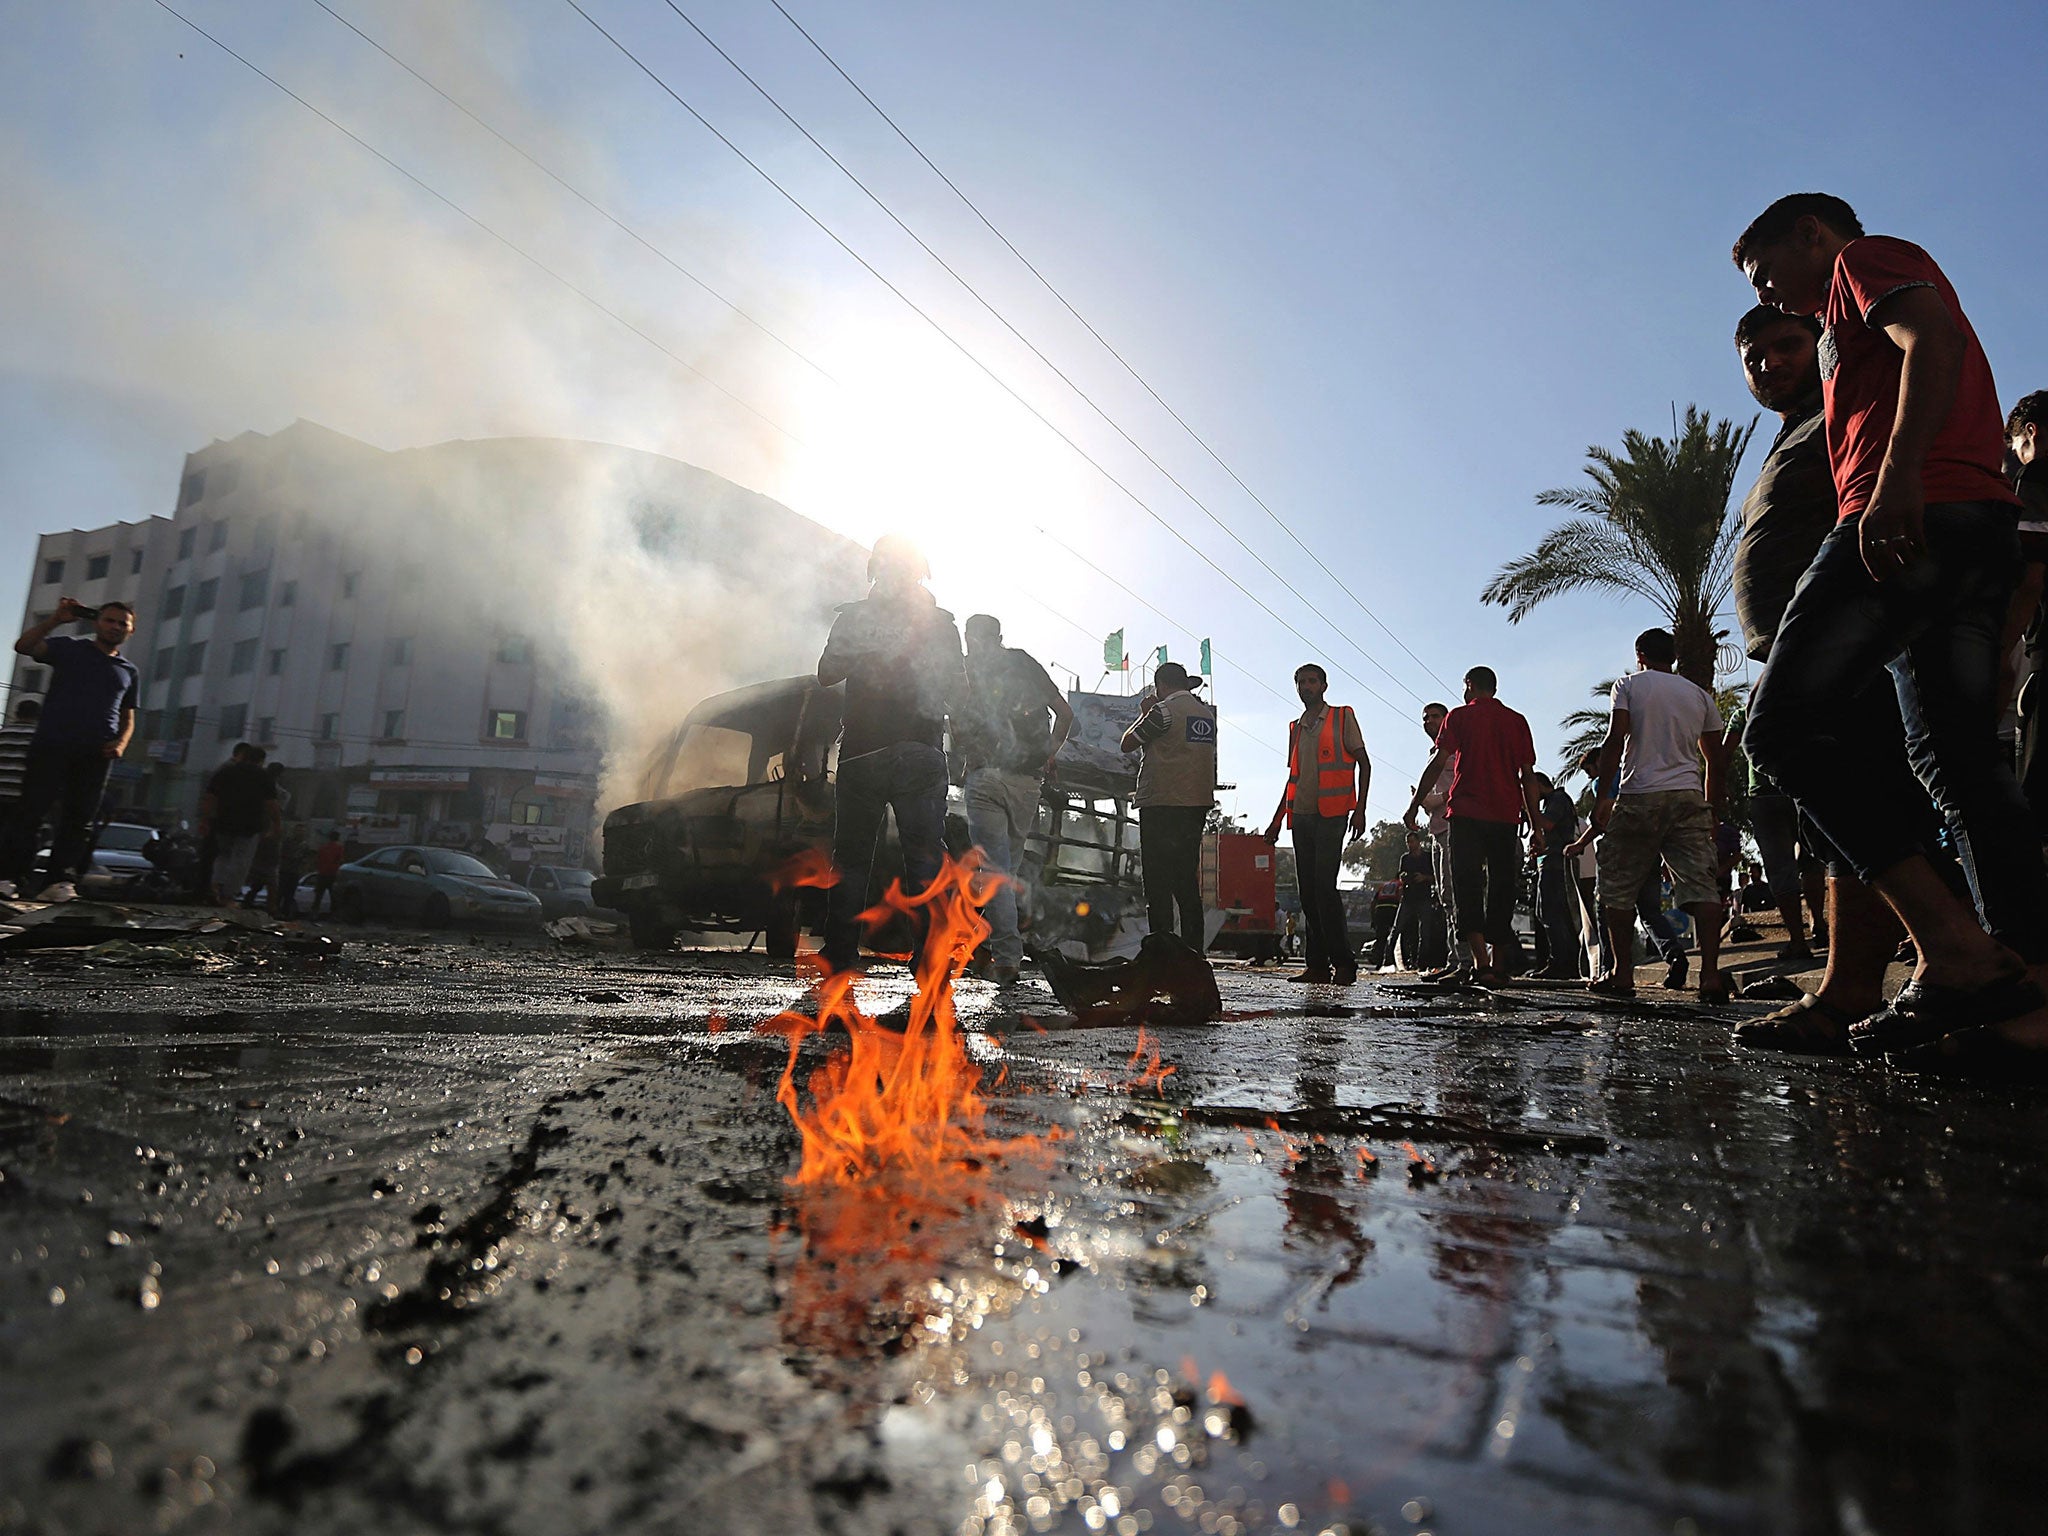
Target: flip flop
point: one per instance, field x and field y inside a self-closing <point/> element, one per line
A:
<point x="1925" y="1011"/>
<point x="1797" y="1030"/>
<point x="1607" y="986"/>
<point x="1979" y="1053"/>
<point x="1716" y="995"/>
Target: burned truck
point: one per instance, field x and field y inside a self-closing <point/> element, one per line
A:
<point x="744" y="791"/>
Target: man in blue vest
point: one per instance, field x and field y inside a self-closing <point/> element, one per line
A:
<point x="1328" y="775"/>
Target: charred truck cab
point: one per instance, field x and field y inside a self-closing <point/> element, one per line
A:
<point x="741" y="789"/>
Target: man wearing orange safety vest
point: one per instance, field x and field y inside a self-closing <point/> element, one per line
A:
<point x="1328" y="774"/>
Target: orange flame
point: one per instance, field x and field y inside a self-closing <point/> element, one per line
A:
<point x="1416" y="1157"/>
<point x="1220" y="1391"/>
<point x="1153" y="1075"/>
<point x="808" y="866"/>
<point x="910" y="1101"/>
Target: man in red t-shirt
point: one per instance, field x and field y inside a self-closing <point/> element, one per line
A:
<point x="1491" y="791"/>
<point x="1908" y="593"/>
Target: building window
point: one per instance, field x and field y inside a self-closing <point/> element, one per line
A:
<point x="330" y="727"/>
<point x="216" y="537"/>
<point x="193" y="488"/>
<point x="152" y="724"/>
<point x="266" y="729"/>
<point x="274" y="663"/>
<point x="204" y="594"/>
<point x="185" y="543"/>
<point x="401" y="651"/>
<point x="165" y="660"/>
<point x="242" y="658"/>
<point x="516" y="649"/>
<point x="96" y="566"/>
<point x="506" y="725"/>
<point x="233" y="717"/>
<point x="186" y="718"/>
<point x="195" y="658"/>
<point x="135" y="563"/>
<point x="174" y="602"/>
<point x="226" y="477"/>
<point x="32" y="680"/>
<point x="53" y="570"/>
<point x="528" y="815"/>
<point x="394" y="724"/>
<point x="255" y="590"/>
<point x="337" y="656"/>
<point x="348" y="583"/>
<point x="287" y="594"/>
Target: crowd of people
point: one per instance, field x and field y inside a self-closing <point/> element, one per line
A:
<point x="1888" y="580"/>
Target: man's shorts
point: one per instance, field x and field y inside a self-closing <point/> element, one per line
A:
<point x="1674" y="825"/>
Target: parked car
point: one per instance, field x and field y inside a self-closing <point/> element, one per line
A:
<point x="117" y="858"/>
<point x="433" y="886"/>
<point x="564" y="891"/>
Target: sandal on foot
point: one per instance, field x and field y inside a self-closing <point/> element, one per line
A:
<point x="1607" y="986"/>
<point x="1799" y="1029"/>
<point x="1981" y="1053"/>
<point x="1715" y="996"/>
<point x="1925" y="1011"/>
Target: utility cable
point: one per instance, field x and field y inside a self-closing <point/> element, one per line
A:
<point x="1125" y="363"/>
<point x="589" y="202"/>
<point x="450" y="203"/>
<point x="1004" y="321"/>
<point x="961" y="347"/>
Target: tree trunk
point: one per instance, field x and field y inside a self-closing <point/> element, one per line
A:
<point x="1697" y="649"/>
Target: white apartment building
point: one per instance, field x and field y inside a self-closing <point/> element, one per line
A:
<point x="440" y="644"/>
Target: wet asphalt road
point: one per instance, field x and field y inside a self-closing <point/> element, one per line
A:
<point x="479" y="1237"/>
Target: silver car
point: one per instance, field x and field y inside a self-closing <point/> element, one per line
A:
<point x="431" y="886"/>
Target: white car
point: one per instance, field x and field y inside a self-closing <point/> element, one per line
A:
<point x="117" y="859"/>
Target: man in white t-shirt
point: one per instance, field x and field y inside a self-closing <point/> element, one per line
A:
<point x="1660" y="731"/>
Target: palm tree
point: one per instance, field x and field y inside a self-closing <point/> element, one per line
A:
<point x="1654" y="521"/>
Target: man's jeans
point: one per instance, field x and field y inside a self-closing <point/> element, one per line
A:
<point x="1170" y="848"/>
<point x="1000" y="809"/>
<point x="72" y="779"/>
<point x="910" y="779"/>
<point x="1554" y="905"/>
<point x="1318" y="855"/>
<point x="1815" y="732"/>
<point x="1408" y="920"/>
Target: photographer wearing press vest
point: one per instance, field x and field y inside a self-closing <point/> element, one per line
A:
<point x="1175" y="739"/>
<point x="1328" y="775"/>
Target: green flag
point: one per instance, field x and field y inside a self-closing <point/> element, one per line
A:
<point x="1206" y="667"/>
<point x="1159" y="658"/>
<point x="1113" y="652"/>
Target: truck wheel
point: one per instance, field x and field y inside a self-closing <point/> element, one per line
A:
<point x="648" y="932"/>
<point x="437" y="913"/>
<point x="781" y="928"/>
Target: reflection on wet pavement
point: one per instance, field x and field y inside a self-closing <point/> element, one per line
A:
<point x="1380" y="1262"/>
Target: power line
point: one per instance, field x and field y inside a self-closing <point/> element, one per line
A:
<point x="449" y="202"/>
<point x="960" y="347"/>
<point x="637" y="331"/>
<point x="588" y="201"/>
<point x="1145" y="384"/>
<point x="1065" y="378"/>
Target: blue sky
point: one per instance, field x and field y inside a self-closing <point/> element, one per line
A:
<point x="1399" y="264"/>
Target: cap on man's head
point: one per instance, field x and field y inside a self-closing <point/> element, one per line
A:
<point x="1171" y="674"/>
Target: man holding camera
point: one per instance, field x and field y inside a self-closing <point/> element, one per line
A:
<point x="87" y="720"/>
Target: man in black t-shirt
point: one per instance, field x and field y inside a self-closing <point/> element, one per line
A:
<point x="898" y="653"/>
<point x="1004" y="742"/>
<point x="1418" y="893"/>
<point x="1563" y="952"/>
<point x="238" y="810"/>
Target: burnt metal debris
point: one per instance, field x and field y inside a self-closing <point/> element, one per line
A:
<point x="489" y="1235"/>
